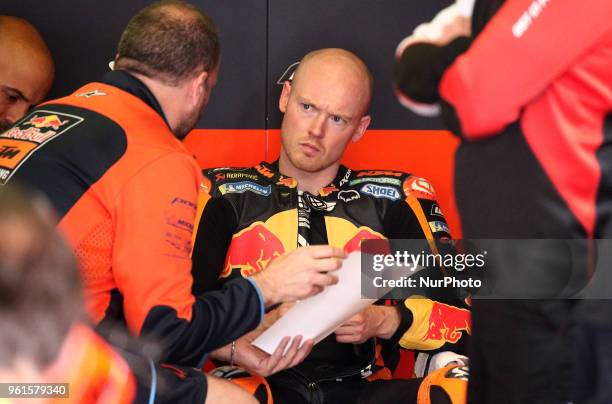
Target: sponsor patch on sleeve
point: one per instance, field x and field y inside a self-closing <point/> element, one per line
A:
<point x="438" y="226"/>
<point x="436" y="211"/>
<point x="419" y="188"/>
<point x="21" y="141"/>
<point x="180" y="216"/>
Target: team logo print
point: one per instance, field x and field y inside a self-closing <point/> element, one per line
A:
<point x="436" y="211"/>
<point x="46" y="121"/>
<point x="234" y="176"/>
<point x="287" y="182"/>
<point x="447" y="323"/>
<point x="458" y="372"/>
<point x="419" y="188"/>
<point x="252" y="249"/>
<point x="345" y="179"/>
<point x="265" y="171"/>
<point x="317" y="203"/>
<point x="380" y="191"/>
<point x="325" y="191"/>
<point x="438" y="226"/>
<point x="179" y="227"/>
<point x="378" y="180"/>
<point x="378" y="173"/>
<point x="19" y="142"/>
<point x="349" y="195"/>
<point x="364" y="233"/>
<point x="244" y="186"/>
<point x="92" y="93"/>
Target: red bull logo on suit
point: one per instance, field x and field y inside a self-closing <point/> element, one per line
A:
<point x="252" y="250"/>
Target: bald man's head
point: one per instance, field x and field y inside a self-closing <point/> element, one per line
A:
<point x="26" y="69"/>
<point x="344" y="63"/>
<point x="325" y="108"/>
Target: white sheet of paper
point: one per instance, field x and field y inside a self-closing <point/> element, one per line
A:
<point x="320" y="315"/>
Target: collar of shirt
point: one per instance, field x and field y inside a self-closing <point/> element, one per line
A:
<point x="128" y="83"/>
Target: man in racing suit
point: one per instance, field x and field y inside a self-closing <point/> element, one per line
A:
<point x="253" y="215"/>
<point x="530" y="97"/>
<point x="109" y="159"/>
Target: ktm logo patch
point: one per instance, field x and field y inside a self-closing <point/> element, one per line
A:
<point x="264" y="171"/>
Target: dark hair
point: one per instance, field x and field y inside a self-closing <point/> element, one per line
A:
<point x="40" y="292"/>
<point x="170" y="41"/>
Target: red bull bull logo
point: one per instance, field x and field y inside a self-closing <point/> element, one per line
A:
<point x="288" y="182"/>
<point x="364" y="233"/>
<point x="447" y="323"/>
<point x="252" y="250"/>
<point x="46" y="121"/>
<point x="328" y="190"/>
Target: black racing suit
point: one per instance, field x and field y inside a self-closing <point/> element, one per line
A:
<point x="256" y="214"/>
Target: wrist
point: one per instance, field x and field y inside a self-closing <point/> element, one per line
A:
<point x="390" y="321"/>
<point x="267" y="288"/>
<point x="221" y="354"/>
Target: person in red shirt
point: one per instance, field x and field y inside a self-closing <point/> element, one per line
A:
<point x="529" y="94"/>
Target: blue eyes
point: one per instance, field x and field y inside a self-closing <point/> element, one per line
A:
<point x="334" y="118"/>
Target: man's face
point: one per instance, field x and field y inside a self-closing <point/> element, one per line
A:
<point x="23" y="83"/>
<point x="323" y="111"/>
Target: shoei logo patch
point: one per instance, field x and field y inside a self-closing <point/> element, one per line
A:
<point x="379" y="191"/>
<point x="22" y="140"/>
<point x="244" y="186"/>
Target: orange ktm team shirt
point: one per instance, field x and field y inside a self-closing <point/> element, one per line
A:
<point x="126" y="192"/>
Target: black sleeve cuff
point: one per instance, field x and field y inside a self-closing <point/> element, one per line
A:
<point x="405" y="323"/>
<point x="421" y="66"/>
